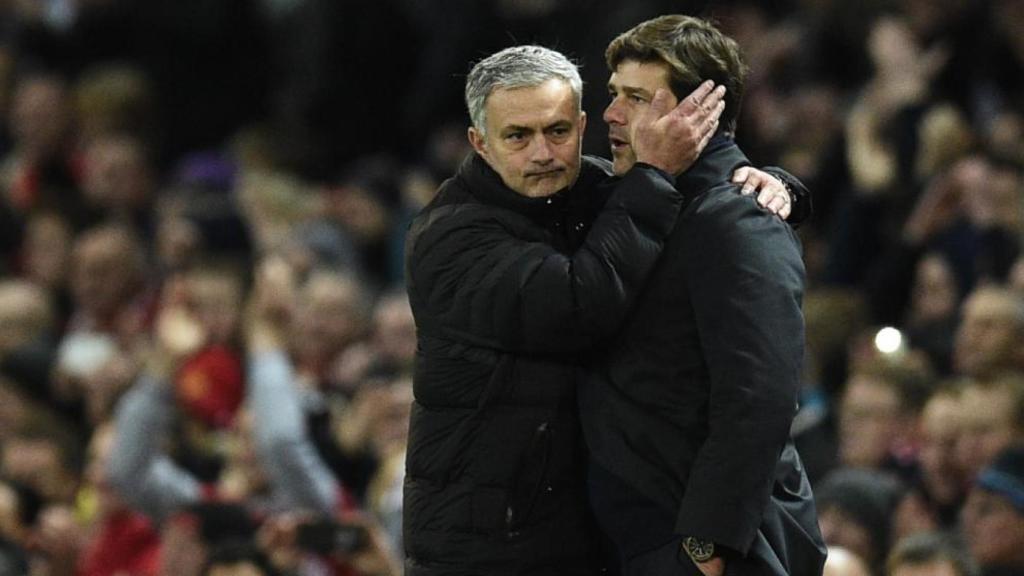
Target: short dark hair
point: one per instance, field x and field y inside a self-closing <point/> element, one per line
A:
<point x="929" y="547"/>
<point x="694" y="51"/>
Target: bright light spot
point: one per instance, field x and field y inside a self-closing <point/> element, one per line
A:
<point x="888" y="340"/>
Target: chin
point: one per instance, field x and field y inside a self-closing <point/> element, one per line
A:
<point x="621" y="165"/>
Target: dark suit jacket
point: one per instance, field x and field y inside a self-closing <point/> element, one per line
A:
<point x="687" y="416"/>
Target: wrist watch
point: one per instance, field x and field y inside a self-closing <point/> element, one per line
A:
<point x="699" y="550"/>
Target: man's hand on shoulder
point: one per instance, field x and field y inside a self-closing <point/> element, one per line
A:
<point x="772" y="193"/>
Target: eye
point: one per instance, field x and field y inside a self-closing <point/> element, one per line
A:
<point x="515" y="136"/>
<point x="560" y="131"/>
<point x="636" y="98"/>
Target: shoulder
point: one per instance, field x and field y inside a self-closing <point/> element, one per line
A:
<point x="724" y="211"/>
<point x="725" y="230"/>
<point x="455" y="215"/>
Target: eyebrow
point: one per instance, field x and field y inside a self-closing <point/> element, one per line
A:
<point x="630" y="90"/>
<point x="516" y="128"/>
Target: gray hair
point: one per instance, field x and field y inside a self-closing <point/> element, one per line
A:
<point x="517" y="67"/>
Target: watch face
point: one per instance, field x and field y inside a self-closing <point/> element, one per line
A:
<point x="699" y="550"/>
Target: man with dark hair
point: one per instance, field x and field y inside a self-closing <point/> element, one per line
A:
<point x="687" y="414"/>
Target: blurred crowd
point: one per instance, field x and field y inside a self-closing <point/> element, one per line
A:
<point x="205" y="344"/>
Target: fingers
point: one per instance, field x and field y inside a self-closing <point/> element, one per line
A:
<point x="707" y="136"/>
<point x="695" y="99"/>
<point x="771" y="193"/>
<point x="775" y="201"/>
<point x="777" y="205"/>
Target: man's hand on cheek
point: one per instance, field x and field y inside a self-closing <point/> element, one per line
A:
<point x="672" y="138"/>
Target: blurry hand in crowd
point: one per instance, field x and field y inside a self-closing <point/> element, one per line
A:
<point x="272" y="305"/>
<point x="903" y="68"/>
<point x="357" y="209"/>
<point x="177" y="332"/>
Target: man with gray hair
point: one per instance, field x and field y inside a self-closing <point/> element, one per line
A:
<point x="527" y="257"/>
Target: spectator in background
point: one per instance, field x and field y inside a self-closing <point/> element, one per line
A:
<point x="990" y="332"/>
<point x="41" y="171"/>
<point x="27" y="332"/>
<point x="937" y="491"/>
<point x="119" y="180"/>
<point x="113" y="302"/>
<point x="46" y="260"/>
<point x="929" y="554"/>
<point x="115" y="99"/>
<point x="855" y="510"/>
<point x="878" y="412"/>
<point x="992" y="418"/>
<point x="970" y="213"/>
<point x="390" y="349"/>
<point x="993" y="517"/>
<point x="931" y="321"/>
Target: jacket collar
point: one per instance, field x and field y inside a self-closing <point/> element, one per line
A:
<point x="715" y="165"/>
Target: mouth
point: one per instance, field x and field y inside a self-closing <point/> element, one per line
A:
<point x="617" y="143"/>
<point x="546" y="173"/>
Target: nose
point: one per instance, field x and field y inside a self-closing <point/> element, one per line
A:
<point x="541" y="152"/>
<point x="613" y="113"/>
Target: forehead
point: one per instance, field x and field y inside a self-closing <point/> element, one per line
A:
<point x="631" y="74"/>
<point x="534" y="106"/>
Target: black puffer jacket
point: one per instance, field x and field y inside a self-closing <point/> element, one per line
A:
<point x="494" y="473"/>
